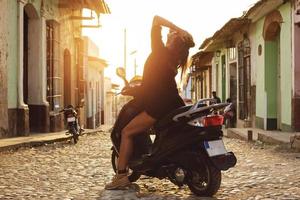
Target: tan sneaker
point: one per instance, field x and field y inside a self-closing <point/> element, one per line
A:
<point x="119" y="182"/>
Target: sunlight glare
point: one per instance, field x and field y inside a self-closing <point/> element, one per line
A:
<point x="200" y="18"/>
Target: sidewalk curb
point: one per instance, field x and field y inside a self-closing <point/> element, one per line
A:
<point x="14" y="147"/>
<point x="40" y="142"/>
<point x="270" y="140"/>
<point x="234" y="134"/>
<point x="291" y="140"/>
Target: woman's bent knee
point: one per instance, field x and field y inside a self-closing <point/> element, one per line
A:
<point x="126" y="133"/>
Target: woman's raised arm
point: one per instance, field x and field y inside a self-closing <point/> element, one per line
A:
<point x="159" y="21"/>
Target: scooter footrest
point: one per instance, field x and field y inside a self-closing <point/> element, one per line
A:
<point x="140" y="164"/>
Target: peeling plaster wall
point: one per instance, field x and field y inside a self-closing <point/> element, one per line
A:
<point x="3" y="68"/>
<point x="258" y="61"/>
<point x="12" y="59"/>
<point x="69" y="30"/>
<point x="286" y="65"/>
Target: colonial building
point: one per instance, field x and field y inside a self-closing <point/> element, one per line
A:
<point x="256" y="64"/>
<point x="111" y="101"/>
<point x="201" y="76"/>
<point x="43" y="66"/>
<point x="94" y="85"/>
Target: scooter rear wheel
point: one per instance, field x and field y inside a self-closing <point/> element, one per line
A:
<point x="204" y="180"/>
<point x="133" y="176"/>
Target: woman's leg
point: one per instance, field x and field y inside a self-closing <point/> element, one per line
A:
<point x="139" y="124"/>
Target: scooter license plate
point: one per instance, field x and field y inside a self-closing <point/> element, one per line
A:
<point x="215" y="147"/>
<point x="71" y="119"/>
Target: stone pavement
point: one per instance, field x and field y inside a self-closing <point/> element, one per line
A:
<point x="67" y="171"/>
<point x="291" y="140"/>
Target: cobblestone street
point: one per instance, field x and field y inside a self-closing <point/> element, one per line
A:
<point x="67" y="171"/>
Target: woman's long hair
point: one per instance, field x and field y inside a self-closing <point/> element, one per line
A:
<point x="183" y="61"/>
<point x="184" y="47"/>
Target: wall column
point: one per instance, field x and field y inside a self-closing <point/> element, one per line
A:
<point x="23" y="111"/>
<point x="38" y="105"/>
<point x="21" y="4"/>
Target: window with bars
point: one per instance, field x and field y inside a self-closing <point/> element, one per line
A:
<point x="244" y="79"/>
<point x="232" y="53"/>
<point x="54" y="80"/>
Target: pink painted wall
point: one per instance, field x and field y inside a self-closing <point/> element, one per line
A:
<point x="296" y="97"/>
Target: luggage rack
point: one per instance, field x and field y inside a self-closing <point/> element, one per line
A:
<point x="195" y="108"/>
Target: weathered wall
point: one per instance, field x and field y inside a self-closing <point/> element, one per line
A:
<point x="69" y="30"/>
<point x="286" y="67"/>
<point x="12" y="58"/>
<point x="217" y="84"/>
<point x="258" y="61"/>
<point x="296" y="98"/>
<point x="3" y="68"/>
<point x="285" y="72"/>
<point x="44" y="10"/>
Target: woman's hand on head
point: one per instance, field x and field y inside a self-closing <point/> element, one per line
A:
<point x="188" y="38"/>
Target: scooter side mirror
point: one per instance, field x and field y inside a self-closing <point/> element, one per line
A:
<point x="82" y="103"/>
<point x="120" y="71"/>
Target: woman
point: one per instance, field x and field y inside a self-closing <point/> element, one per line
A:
<point x="159" y="90"/>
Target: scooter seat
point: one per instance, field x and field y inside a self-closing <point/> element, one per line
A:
<point x="168" y="119"/>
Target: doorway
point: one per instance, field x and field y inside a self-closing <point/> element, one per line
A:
<point x="30" y="65"/>
<point x="223" y="78"/>
<point x="67" y="78"/>
<point x="272" y="34"/>
<point x="233" y="82"/>
<point x="272" y="77"/>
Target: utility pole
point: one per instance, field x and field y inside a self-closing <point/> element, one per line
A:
<point x="135" y="66"/>
<point x="125" y="50"/>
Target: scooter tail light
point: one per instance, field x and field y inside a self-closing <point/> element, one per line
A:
<point x="215" y="120"/>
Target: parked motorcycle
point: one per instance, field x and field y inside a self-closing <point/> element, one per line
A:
<point x="188" y="148"/>
<point x="71" y="118"/>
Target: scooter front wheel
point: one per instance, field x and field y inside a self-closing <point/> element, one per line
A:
<point x="133" y="176"/>
<point x="74" y="135"/>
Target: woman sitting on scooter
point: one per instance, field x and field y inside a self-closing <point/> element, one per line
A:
<point x="159" y="90"/>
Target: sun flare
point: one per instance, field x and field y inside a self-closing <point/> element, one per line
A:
<point x="200" y="18"/>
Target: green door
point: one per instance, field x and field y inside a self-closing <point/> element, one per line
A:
<point x="271" y="83"/>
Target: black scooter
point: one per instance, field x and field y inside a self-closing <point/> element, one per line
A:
<point x="188" y="148"/>
<point x="71" y="120"/>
